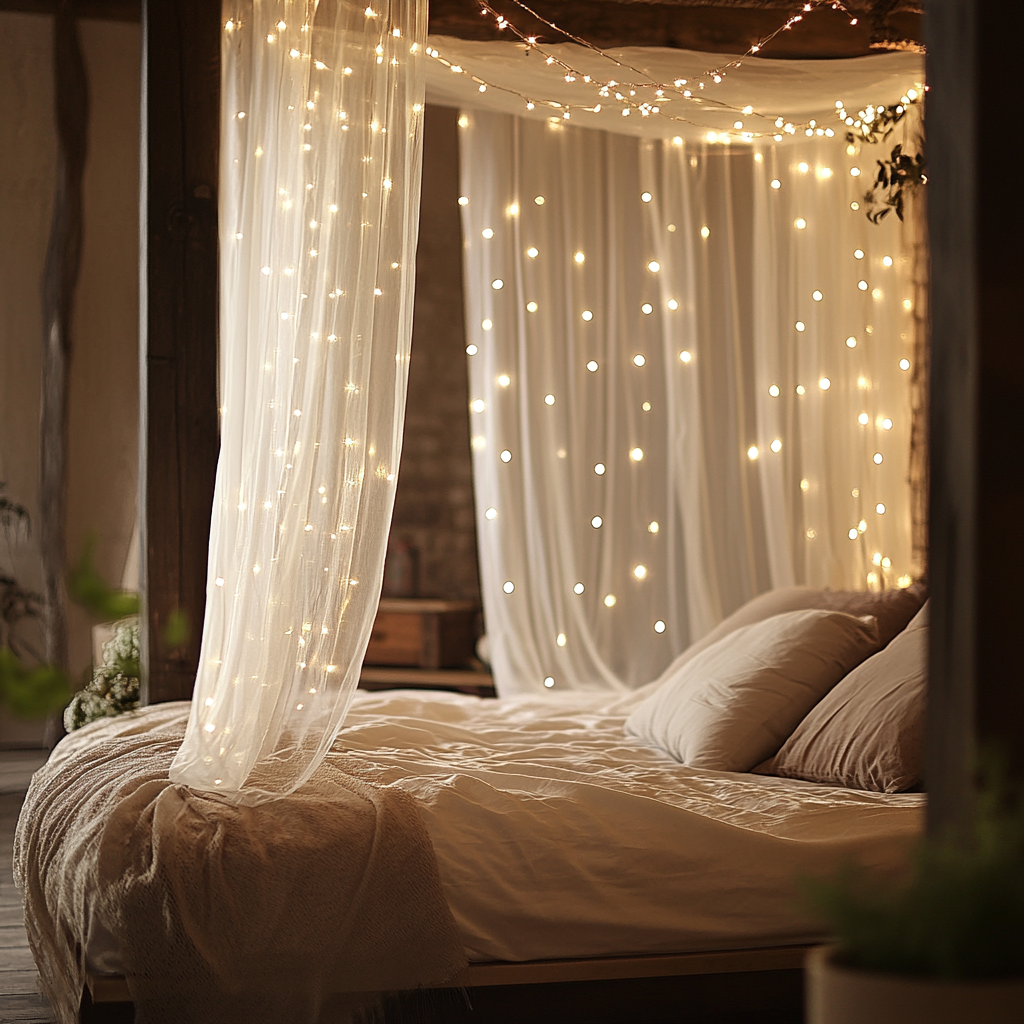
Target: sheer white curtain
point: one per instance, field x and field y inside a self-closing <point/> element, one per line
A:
<point x="320" y="176"/>
<point x="672" y="348"/>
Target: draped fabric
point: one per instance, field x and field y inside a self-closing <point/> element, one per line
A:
<point x="319" y="196"/>
<point x="690" y="382"/>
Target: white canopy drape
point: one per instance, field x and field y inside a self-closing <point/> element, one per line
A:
<point x="689" y="370"/>
<point x="320" y="176"/>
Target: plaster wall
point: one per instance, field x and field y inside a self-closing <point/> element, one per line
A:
<point x="103" y="413"/>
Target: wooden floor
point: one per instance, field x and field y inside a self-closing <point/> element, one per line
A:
<point x="20" y="1001"/>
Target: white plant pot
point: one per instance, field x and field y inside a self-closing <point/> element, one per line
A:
<point x="845" y="995"/>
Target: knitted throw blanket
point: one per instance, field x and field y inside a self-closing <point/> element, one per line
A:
<point x="224" y="913"/>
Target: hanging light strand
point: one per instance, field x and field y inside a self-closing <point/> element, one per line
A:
<point x="625" y="92"/>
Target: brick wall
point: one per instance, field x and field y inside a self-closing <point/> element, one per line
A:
<point x="434" y="503"/>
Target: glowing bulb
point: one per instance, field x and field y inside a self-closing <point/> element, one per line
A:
<point x="487" y="233"/>
<point x="463" y="200"/>
<point x="799" y="223"/>
<point x="513" y="210"/>
<point x="646" y="197"/>
<point x="753" y="452"/>
<point x="508" y="586"/>
<point x="587" y="315"/>
<point x="653" y="527"/>
<point x="816" y="295"/>
<point x="579" y="257"/>
<point x="862" y="419"/>
<point x="506" y="456"/>
<point x="638" y="360"/>
<point x="531" y="307"/>
<point x="599" y="468"/>
<point x="578" y="588"/>
<point x="497" y="284"/>
<point x="887" y="423"/>
<point x="858" y="254"/>
<point x="672" y="304"/>
<point x="776" y="183"/>
<point x="640" y="572"/>
<point x="592" y="366"/>
<point x="491" y="513"/>
<point x="886" y="261"/>
<point x="609" y="600"/>
<point x="560" y="639"/>
<point x="705" y="231"/>
<point x="486" y="324"/>
<point x="851" y="342"/>
<point x="862" y="285"/>
<point x="647" y="308"/>
<point x="549" y="681"/>
<point x="904" y="364"/>
<point x="636" y="454"/>
<point x="504" y="380"/>
<point x="877" y="458"/>
<point x="880" y="509"/>
<point x="800" y="325"/>
<point x="532" y="252"/>
<point x="776" y="446"/>
<point x="853" y="534"/>
<point x="539" y="200"/>
<point x="803" y="167"/>
<point x="654" y="266"/>
<point x="774" y="391"/>
<point x="596" y="522"/>
<point x="824" y="383"/>
<point x="800" y="390"/>
<point x="685" y="356"/>
<point x="549" y="399"/>
<point x="805" y="485"/>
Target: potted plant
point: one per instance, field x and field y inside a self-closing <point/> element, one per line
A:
<point x="945" y="944"/>
<point x="29" y="687"/>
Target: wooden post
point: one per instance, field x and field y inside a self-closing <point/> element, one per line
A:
<point x="976" y="694"/>
<point x="60" y="277"/>
<point x="178" y="329"/>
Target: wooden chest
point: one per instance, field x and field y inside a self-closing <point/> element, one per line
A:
<point x="423" y="632"/>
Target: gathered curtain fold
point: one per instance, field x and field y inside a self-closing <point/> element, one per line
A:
<point x="321" y="145"/>
<point x="690" y="382"/>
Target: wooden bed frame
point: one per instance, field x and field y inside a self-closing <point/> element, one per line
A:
<point x="764" y="983"/>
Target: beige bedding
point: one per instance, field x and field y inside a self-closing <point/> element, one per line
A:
<point x="555" y="835"/>
<point x="218" y="913"/>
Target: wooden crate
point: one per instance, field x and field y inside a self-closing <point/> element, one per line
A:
<point x="423" y="633"/>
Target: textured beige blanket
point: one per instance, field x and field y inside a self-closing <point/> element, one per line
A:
<point x="224" y="913"/>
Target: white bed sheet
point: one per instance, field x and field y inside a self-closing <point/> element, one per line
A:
<point x="558" y="836"/>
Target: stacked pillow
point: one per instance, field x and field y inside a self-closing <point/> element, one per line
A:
<point x="761" y="690"/>
<point x="867" y="732"/>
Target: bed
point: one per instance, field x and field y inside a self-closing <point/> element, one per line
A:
<point x="558" y="839"/>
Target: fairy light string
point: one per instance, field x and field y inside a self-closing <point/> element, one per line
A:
<point x="634" y="96"/>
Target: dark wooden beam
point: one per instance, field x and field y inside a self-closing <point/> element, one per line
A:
<point x="720" y="27"/>
<point x="60" y="279"/>
<point x="106" y="10"/>
<point x="178" y="329"/>
<point x="976" y="696"/>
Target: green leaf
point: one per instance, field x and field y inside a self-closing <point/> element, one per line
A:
<point x="87" y="588"/>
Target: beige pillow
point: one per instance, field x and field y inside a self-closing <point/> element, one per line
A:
<point x="868" y="732"/>
<point x="892" y="608"/>
<point x="736" y="702"/>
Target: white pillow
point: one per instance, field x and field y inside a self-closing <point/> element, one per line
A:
<point x="738" y="701"/>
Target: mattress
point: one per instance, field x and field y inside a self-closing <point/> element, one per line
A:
<point x="557" y="836"/>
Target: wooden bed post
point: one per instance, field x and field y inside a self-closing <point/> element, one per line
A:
<point x="976" y="694"/>
<point x="178" y="330"/>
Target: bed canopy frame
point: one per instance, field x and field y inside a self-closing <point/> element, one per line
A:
<point x="977" y="381"/>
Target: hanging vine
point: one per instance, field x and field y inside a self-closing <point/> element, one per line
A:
<point x="899" y="173"/>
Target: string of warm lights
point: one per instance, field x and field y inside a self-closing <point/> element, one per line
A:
<point x="647" y="96"/>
